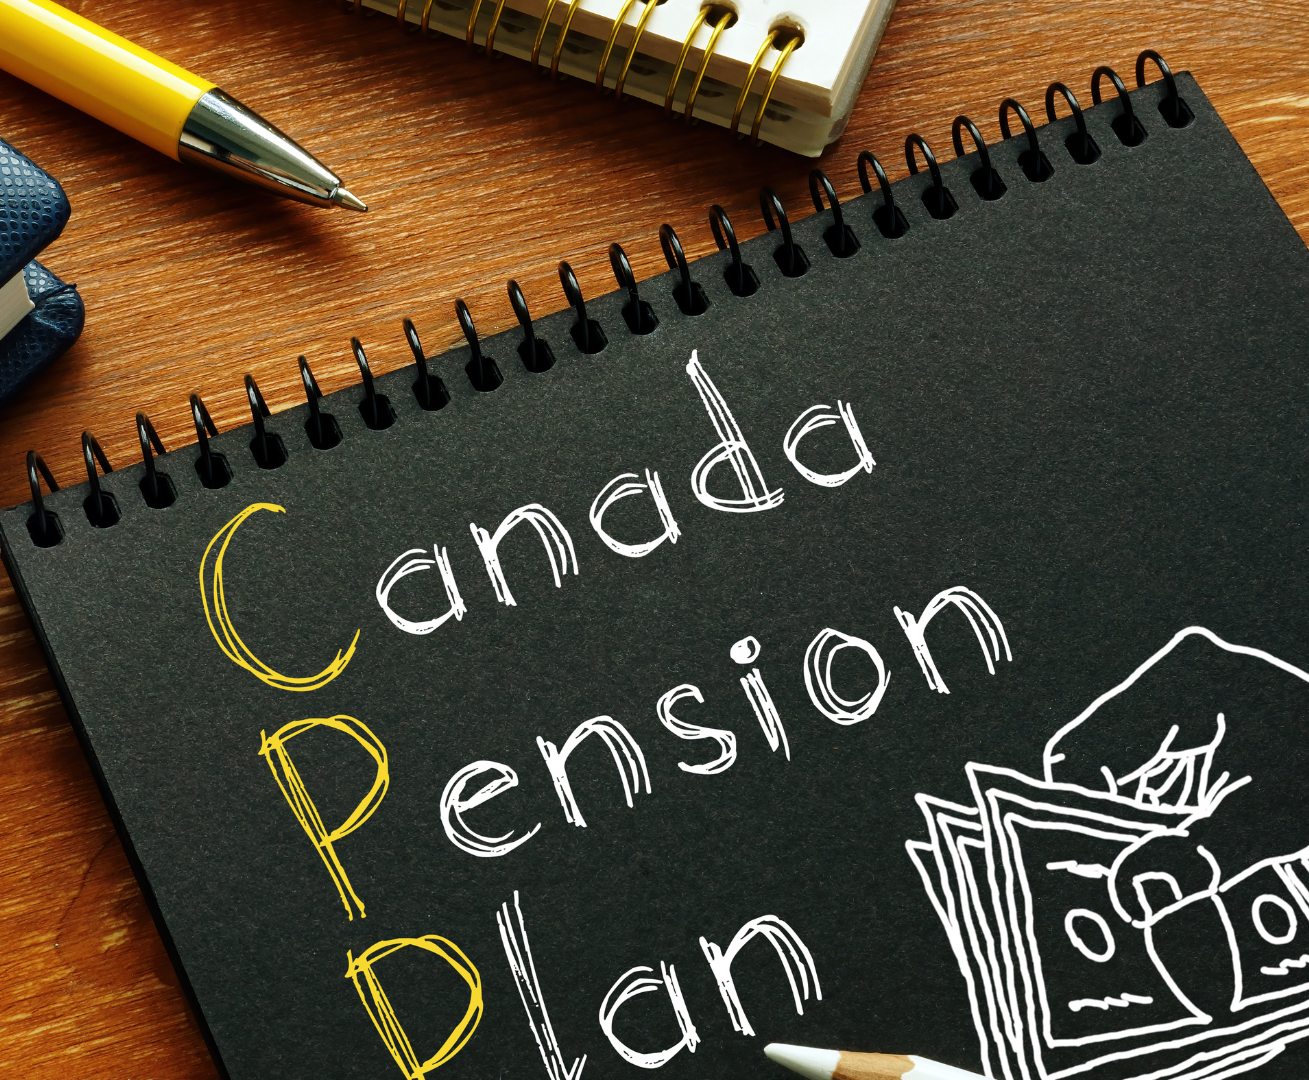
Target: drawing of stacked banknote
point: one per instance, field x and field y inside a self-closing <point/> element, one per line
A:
<point x="1073" y="971"/>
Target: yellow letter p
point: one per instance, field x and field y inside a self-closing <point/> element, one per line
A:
<point x="383" y="1016"/>
<point x="288" y="779"/>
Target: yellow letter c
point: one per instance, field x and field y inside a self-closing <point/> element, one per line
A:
<point x="220" y="624"/>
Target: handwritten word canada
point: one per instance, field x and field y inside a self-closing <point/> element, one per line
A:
<point x="731" y="451"/>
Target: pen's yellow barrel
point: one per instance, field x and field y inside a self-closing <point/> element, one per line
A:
<point x="128" y="87"/>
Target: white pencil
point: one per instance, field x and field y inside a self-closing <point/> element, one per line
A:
<point x="843" y="1065"/>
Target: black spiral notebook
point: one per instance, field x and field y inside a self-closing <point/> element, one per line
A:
<point x="907" y="652"/>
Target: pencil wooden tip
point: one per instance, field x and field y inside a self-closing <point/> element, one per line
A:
<point x="842" y="1065"/>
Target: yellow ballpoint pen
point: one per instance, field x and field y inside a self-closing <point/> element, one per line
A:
<point x="158" y="103"/>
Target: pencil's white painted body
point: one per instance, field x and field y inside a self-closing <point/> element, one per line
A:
<point x="815" y="1064"/>
<point x="925" y="1069"/>
<point x="810" y="1063"/>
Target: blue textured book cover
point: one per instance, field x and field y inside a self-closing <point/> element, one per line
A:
<point x="33" y="211"/>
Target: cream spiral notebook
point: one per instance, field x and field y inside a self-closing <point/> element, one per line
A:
<point x="761" y="69"/>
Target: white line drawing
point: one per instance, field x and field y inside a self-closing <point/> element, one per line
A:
<point x="454" y="803"/>
<point x="1109" y="1002"/>
<point x="441" y="560"/>
<point x="985" y="623"/>
<point x="794" y="954"/>
<point x="746" y="651"/>
<point x="1086" y="870"/>
<point x="620" y="487"/>
<point x="1284" y="968"/>
<point x="1051" y="758"/>
<point x="819" y="416"/>
<point x="726" y="739"/>
<point x="765" y="711"/>
<point x="818" y="677"/>
<point x="627" y="988"/>
<point x="1071" y="920"/>
<point x="732" y="449"/>
<point x="1063" y="980"/>
<point x="558" y="546"/>
<point x="626" y="752"/>
<point x="1256" y="913"/>
<point x="519" y="954"/>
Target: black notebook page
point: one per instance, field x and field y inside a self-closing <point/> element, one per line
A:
<point x="1085" y="406"/>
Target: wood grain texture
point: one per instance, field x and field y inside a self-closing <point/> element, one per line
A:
<point x="872" y="1066"/>
<point x="476" y="172"/>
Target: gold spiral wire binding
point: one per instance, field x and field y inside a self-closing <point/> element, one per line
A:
<point x="400" y="15"/>
<point x="490" y="30"/>
<point x="609" y="45"/>
<point x="787" y="49"/>
<point x="427" y="16"/>
<point x="749" y="78"/>
<point x="541" y="28"/>
<point x="563" y="33"/>
<point x="650" y="5"/>
<point x="723" y="23"/>
<point x="783" y="53"/>
<point x="681" y="60"/>
<point x="472" y="22"/>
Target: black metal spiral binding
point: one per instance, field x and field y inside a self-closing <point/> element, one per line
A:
<point x="100" y="506"/>
<point x="1176" y="112"/>
<point x="690" y="296"/>
<point x="269" y="451"/>
<point x="375" y="408"/>
<point x="839" y="237"/>
<point x="938" y="198"/>
<point x="788" y="255"/>
<point x="1129" y="129"/>
<point x="586" y="332"/>
<point x="888" y="217"/>
<point x="985" y="180"/>
<point x="156" y="487"/>
<point x="43" y="526"/>
<point x="535" y="352"/>
<point x="483" y="372"/>
<point x="1035" y="165"/>
<point x="323" y="430"/>
<point x="212" y="468"/>
<point x="740" y="276"/>
<point x="429" y="390"/>
<point x="637" y="313"/>
<point x="1081" y="147"/>
<point x="267" y="447"/>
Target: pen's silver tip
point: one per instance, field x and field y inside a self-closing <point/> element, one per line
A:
<point x="342" y="197"/>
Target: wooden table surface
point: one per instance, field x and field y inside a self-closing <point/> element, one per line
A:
<point x="475" y="172"/>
